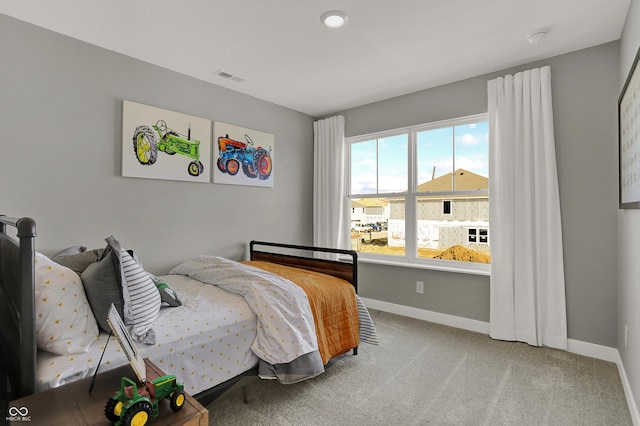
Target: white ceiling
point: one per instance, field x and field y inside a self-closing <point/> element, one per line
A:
<point x="286" y="56"/>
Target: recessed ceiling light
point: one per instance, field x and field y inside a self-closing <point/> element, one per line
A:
<point x="334" y="18"/>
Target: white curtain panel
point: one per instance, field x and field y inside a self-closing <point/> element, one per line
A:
<point x="329" y="213"/>
<point x="527" y="266"/>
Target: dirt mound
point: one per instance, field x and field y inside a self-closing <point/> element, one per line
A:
<point x="464" y="254"/>
<point x="380" y="242"/>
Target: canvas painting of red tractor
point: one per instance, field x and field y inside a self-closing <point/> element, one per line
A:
<point x="242" y="156"/>
<point x="151" y="138"/>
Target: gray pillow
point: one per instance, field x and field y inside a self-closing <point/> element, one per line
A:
<point x="102" y="287"/>
<point x="68" y="252"/>
<point x="80" y="261"/>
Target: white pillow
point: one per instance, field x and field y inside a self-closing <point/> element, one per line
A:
<point x="64" y="321"/>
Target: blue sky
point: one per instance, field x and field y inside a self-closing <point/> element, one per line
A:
<point x="435" y="149"/>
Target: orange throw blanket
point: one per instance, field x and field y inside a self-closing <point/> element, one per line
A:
<point x="333" y="304"/>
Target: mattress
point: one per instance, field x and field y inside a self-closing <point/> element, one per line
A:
<point x="204" y="343"/>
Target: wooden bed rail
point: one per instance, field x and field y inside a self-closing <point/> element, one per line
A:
<point x="17" y="305"/>
<point x="347" y="270"/>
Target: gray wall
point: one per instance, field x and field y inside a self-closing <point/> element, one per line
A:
<point x="60" y="121"/>
<point x="628" y="241"/>
<point x="585" y="91"/>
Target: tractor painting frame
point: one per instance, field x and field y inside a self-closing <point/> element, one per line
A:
<point x="242" y="156"/>
<point x="151" y="138"/>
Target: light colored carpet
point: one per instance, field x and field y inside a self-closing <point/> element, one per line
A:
<point x="428" y="374"/>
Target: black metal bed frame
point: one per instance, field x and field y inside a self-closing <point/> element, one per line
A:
<point x="17" y="306"/>
<point x="346" y="269"/>
<point x="18" y="349"/>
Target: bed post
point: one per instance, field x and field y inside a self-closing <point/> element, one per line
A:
<point x="18" y="286"/>
<point x="27" y="233"/>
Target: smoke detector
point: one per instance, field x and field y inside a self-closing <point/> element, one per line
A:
<point x="537" y="37"/>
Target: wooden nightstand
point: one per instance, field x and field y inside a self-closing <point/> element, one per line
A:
<point x="72" y="404"/>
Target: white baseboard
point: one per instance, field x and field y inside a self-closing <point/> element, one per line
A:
<point x="578" y="347"/>
<point x="423" y="314"/>
<point x="592" y="350"/>
<point x="574" y="346"/>
<point x="628" y="393"/>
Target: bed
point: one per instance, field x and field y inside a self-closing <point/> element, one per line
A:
<point x="210" y="340"/>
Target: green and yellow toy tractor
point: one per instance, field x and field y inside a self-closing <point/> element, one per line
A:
<point x="147" y="141"/>
<point x="133" y="405"/>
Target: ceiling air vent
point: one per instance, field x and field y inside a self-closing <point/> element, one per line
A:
<point x="228" y="76"/>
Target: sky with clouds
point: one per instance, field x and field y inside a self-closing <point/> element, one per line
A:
<point x="381" y="166"/>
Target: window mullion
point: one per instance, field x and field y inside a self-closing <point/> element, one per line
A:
<point x="411" y="204"/>
<point x="378" y="166"/>
<point x="453" y="158"/>
<point x="413" y="162"/>
<point x="411" y="226"/>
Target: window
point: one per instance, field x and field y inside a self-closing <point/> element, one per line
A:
<point x="478" y="236"/>
<point x="423" y="193"/>
<point x="446" y="207"/>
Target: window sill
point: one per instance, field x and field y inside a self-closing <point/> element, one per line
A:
<point x="438" y="265"/>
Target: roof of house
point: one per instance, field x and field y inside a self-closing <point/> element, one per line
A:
<point x="368" y="202"/>
<point x="464" y="180"/>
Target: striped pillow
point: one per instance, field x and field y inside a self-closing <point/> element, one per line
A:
<point x="141" y="297"/>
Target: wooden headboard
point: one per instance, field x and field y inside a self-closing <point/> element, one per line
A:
<point x="346" y="268"/>
<point x="17" y="306"/>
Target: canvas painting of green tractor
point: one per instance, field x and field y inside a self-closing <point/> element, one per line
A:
<point x="147" y="141"/>
<point x="164" y="144"/>
<point x="243" y="156"/>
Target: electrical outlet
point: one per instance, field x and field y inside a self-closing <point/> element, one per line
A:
<point x="626" y="332"/>
<point x="419" y="287"/>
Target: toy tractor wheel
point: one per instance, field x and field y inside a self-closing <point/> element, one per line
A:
<point x="263" y="164"/>
<point x="138" y="414"/>
<point x="113" y="409"/>
<point x="233" y="166"/>
<point x="177" y="400"/>
<point x="145" y="145"/>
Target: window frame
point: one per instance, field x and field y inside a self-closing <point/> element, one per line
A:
<point x="411" y="196"/>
